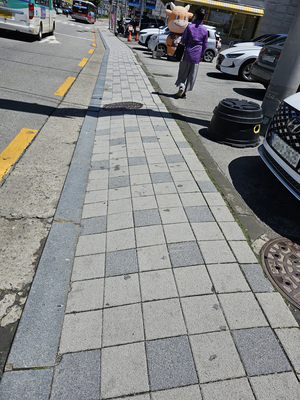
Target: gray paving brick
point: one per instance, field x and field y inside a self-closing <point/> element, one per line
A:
<point x="117" y="142"/>
<point x="122" y="325"/>
<point x="94" y="209"/>
<point x="203" y="314"/>
<point x="88" y="267"/>
<point x="199" y="214"/>
<point x="118" y="181"/>
<point x="215" y="252"/>
<point x="91" y="244"/>
<point x="216" y="357"/>
<point x="161" y="177"/>
<point x="149" y="139"/>
<point x="123" y="220"/>
<point x="123" y="370"/>
<point x="100" y="165"/>
<point x="121" y="290"/>
<point x="137" y="161"/>
<point x="170" y="363"/>
<point x="121" y="262"/>
<point x="172" y="215"/>
<point x="93" y="225"/>
<point x="27" y="384"/>
<point x="183" y="144"/>
<point x="242" y="251"/>
<point x="276" y="310"/>
<point x="146" y="217"/>
<point x="260" y="351"/>
<point x="176" y="158"/>
<point x="185" y="254"/>
<point x="233" y="389"/>
<point x="163" y="318"/>
<point x="206" y="186"/>
<point x="120" y="240"/>
<point x="228" y="278"/>
<point x="256" y="279"/>
<point x="77" y="377"/>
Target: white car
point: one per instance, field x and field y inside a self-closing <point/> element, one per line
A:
<point x="259" y="41"/>
<point x="281" y="147"/>
<point x="238" y="61"/>
<point x="145" y="34"/>
<point x="159" y="43"/>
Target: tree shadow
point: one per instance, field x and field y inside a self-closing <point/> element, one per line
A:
<point x="256" y="94"/>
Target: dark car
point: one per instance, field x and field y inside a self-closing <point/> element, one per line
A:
<point x="146" y="22"/>
<point x="265" y="64"/>
<point x="67" y="11"/>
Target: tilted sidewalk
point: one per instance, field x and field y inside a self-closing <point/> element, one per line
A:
<point x="166" y="299"/>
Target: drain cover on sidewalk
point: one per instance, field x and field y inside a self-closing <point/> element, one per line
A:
<point x="281" y="262"/>
<point x="123" y="105"/>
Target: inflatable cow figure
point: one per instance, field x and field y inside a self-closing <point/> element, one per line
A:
<point x="177" y="22"/>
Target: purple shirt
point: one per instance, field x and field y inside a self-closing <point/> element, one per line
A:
<point x="195" y="39"/>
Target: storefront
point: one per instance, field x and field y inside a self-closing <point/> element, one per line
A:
<point x="232" y="20"/>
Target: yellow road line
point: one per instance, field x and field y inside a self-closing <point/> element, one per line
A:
<point x="91" y="51"/>
<point x="94" y="44"/>
<point x="65" y="86"/>
<point x="83" y="62"/>
<point x="13" y="151"/>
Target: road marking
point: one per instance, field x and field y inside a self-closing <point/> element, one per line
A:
<point x="91" y="51"/>
<point x="13" y="151"/>
<point x="94" y="44"/>
<point x="75" y="37"/>
<point x="65" y="86"/>
<point x="83" y="62"/>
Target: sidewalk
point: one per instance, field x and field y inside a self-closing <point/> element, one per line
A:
<point x="149" y="290"/>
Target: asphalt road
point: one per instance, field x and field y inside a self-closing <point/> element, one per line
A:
<point x="263" y="205"/>
<point x="32" y="71"/>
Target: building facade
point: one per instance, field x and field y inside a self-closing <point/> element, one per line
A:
<point x="242" y="19"/>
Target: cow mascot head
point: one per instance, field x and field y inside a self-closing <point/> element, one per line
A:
<point x="177" y="22"/>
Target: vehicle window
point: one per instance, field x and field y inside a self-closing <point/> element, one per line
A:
<point x="42" y="2"/>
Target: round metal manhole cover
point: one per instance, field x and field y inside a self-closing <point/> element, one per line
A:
<point x="124" y="105"/>
<point x="281" y="262"/>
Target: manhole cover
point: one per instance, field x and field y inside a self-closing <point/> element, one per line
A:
<point x="281" y="262"/>
<point x="124" y="105"/>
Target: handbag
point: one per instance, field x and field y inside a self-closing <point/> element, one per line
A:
<point x="179" y="52"/>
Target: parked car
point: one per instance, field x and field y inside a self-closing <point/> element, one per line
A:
<point x="145" y="34"/>
<point x="272" y="39"/>
<point x="238" y="60"/>
<point x="257" y="39"/>
<point x="264" y="66"/>
<point x="146" y="22"/>
<point x="67" y="11"/>
<point x="58" y="10"/>
<point x="281" y="147"/>
<point x="159" y="43"/>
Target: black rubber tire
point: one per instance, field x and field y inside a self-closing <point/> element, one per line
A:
<point x="209" y="55"/>
<point x="40" y="33"/>
<point x="162" y="48"/>
<point x="245" y="70"/>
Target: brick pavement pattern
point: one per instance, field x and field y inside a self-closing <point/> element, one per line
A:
<point x="167" y="300"/>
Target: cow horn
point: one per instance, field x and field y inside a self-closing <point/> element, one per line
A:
<point x="172" y="5"/>
<point x="187" y="7"/>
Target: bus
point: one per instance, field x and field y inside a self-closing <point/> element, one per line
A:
<point x="35" y="17"/>
<point x="84" y="11"/>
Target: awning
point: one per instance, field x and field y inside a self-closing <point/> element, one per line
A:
<point x="222" y="5"/>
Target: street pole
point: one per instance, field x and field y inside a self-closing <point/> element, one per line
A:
<point x="141" y="13"/>
<point x="286" y="77"/>
<point x="116" y="15"/>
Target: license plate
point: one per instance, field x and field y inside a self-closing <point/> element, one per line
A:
<point x="270" y="59"/>
<point x="286" y="151"/>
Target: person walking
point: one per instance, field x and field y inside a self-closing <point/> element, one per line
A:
<point x="195" y="39"/>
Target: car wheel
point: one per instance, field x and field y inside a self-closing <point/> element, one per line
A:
<point x="208" y="56"/>
<point x="40" y="33"/>
<point x="162" y="48"/>
<point x="53" y="29"/>
<point x="244" y="72"/>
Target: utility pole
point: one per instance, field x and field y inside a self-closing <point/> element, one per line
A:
<point x="286" y="77"/>
<point x="116" y="15"/>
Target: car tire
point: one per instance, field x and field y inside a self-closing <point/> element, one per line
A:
<point x="53" y="29"/>
<point x="208" y="56"/>
<point x="244" y="72"/>
<point x="162" y="48"/>
<point x="40" y="33"/>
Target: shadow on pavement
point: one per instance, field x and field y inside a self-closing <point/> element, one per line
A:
<point x="255" y="94"/>
<point x="270" y="201"/>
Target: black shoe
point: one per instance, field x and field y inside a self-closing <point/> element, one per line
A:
<point x="183" y="96"/>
